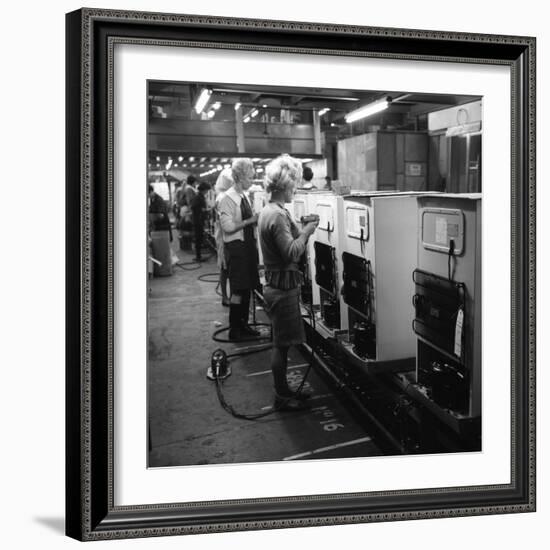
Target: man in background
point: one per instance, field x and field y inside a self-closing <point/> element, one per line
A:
<point x="307" y="176"/>
<point x="198" y="214"/>
<point x="189" y="189"/>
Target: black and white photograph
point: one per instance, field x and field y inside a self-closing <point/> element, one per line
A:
<point x="270" y="275"/>
<point x="300" y="269"/>
<point x="313" y="273"/>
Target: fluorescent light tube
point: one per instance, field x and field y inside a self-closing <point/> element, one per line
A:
<point x="202" y="100"/>
<point x="367" y="110"/>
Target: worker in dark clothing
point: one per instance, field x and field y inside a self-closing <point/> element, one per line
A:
<point x="238" y="222"/>
<point x="198" y="212"/>
<point x="189" y="190"/>
<point x="158" y="213"/>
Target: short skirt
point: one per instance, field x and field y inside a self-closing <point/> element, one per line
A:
<point x="242" y="265"/>
<point x="283" y="308"/>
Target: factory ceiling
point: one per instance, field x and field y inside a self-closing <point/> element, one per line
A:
<point x="277" y="119"/>
<point x="340" y="101"/>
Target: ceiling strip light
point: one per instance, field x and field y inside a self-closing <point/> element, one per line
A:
<point x="368" y="110"/>
<point x="202" y="100"/>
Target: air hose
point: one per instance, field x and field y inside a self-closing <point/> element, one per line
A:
<point x="247" y="351"/>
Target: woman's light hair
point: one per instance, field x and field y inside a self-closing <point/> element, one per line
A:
<point x="224" y="181"/>
<point x="282" y="173"/>
<point x="241" y="169"/>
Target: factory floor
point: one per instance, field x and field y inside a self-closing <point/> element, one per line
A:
<point x="187" y="424"/>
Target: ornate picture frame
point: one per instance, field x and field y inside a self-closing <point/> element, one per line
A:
<point x="92" y="35"/>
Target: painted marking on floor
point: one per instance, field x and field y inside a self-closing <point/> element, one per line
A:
<point x="312" y="398"/>
<point x="329" y="448"/>
<point x="269" y="371"/>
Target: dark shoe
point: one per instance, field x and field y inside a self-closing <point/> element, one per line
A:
<point x="289" y="404"/>
<point x="247" y="330"/>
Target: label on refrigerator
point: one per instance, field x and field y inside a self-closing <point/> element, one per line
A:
<point x="357" y="222"/>
<point x="441" y="230"/>
<point x="326" y="217"/>
<point x="458" y="332"/>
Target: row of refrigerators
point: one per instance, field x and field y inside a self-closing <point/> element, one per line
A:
<point x="395" y="279"/>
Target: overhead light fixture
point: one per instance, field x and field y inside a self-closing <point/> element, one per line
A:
<point x="202" y="100"/>
<point x="237" y="105"/>
<point x="254" y="113"/>
<point x="368" y="110"/>
<point x="264" y="105"/>
<point x="216" y="105"/>
<point x="324" y="111"/>
<point x="246" y="119"/>
<point x="180" y="159"/>
<point x="211" y="113"/>
<point x="158" y="159"/>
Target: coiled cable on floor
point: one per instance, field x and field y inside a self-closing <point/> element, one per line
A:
<point x="216" y="338"/>
<point x="204" y="276"/>
<point x="279" y="404"/>
<point x="194" y="263"/>
<point x="182" y="265"/>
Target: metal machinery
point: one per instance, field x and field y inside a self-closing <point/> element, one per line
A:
<point x="378" y="257"/>
<point x="447" y="301"/>
<point x="304" y="205"/>
<point x="324" y="249"/>
<point x="384" y="160"/>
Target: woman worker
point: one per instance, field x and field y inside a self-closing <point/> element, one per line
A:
<point x="237" y="223"/>
<point x="223" y="183"/>
<point x="283" y="243"/>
